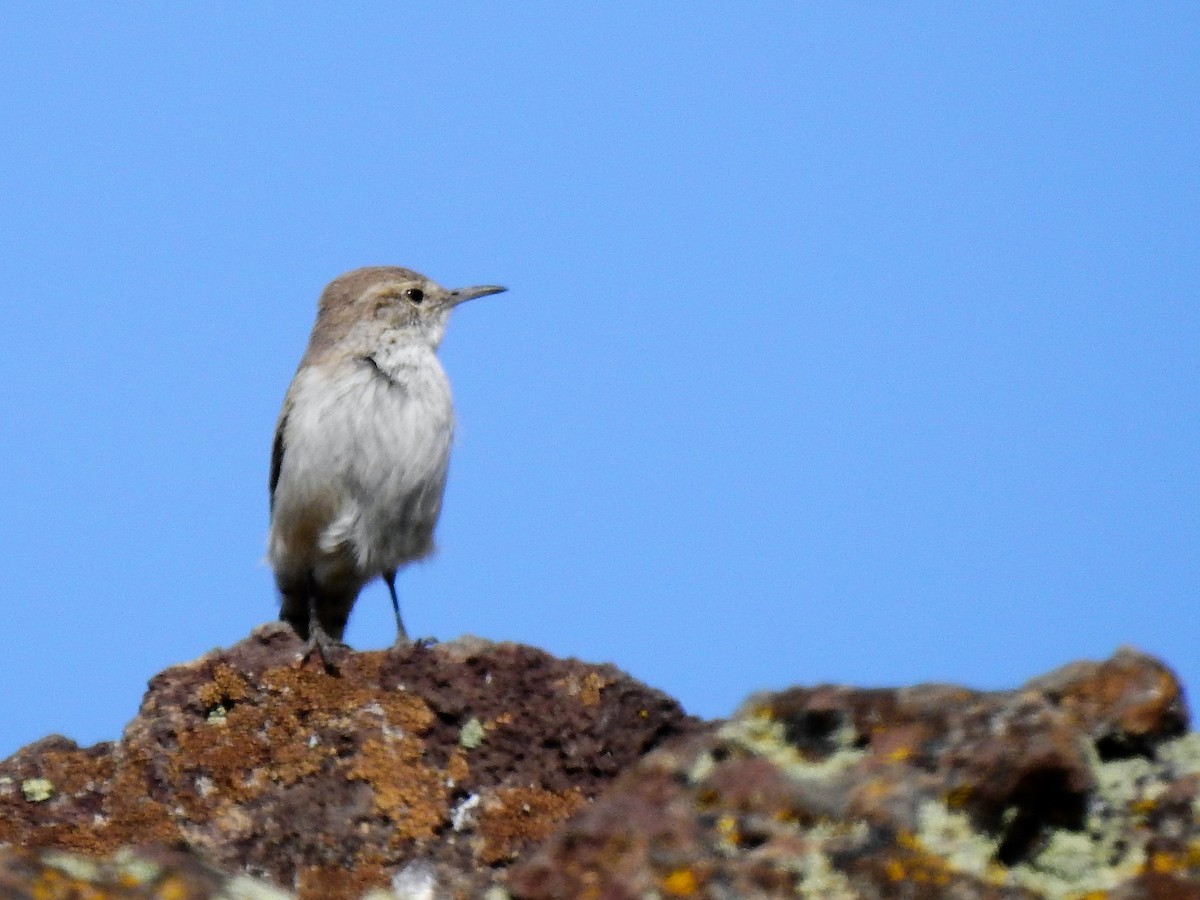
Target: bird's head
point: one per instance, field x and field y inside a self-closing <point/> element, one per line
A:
<point x="379" y="300"/>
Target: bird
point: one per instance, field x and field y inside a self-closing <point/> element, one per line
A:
<point x="361" y="448"/>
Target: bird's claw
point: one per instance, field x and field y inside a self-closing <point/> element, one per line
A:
<point x="325" y="649"/>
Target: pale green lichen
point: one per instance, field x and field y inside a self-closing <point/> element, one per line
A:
<point x="766" y="737"/>
<point x="472" y="734"/>
<point x="243" y="887"/>
<point x="136" y="868"/>
<point x="1181" y="756"/>
<point x="1105" y="853"/>
<point x="1070" y="865"/>
<point x="701" y="767"/>
<point x="1122" y="782"/>
<point x="1075" y="862"/>
<point x="130" y="869"/>
<point x="216" y="715"/>
<point x="950" y="835"/>
<point x="78" y="867"/>
<point x="416" y="881"/>
<point x="819" y="880"/>
<point x="816" y="877"/>
<point x="1101" y="856"/>
<point x="37" y="790"/>
<point x="846" y="833"/>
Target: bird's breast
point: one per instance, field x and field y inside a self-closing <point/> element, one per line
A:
<point x="374" y="423"/>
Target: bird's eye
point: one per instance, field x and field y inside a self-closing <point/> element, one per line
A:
<point x="416" y="295"/>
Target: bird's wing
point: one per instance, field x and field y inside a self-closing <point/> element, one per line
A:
<point x="277" y="448"/>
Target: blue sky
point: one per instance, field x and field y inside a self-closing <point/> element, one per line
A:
<point x="844" y="342"/>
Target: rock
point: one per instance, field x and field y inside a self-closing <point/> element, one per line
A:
<point x="495" y="771"/>
<point x="149" y="874"/>
<point x="1083" y="783"/>
<point x="448" y="759"/>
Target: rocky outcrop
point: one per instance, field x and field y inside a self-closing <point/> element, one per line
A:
<point x="1082" y="784"/>
<point x="444" y="762"/>
<point x="472" y="769"/>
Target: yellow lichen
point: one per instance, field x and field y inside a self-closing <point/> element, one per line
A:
<point x="895" y="870"/>
<point x="908" y="840"/>
<point x="172" y="888"/>
<point x="681" y="883"/>
<point x="727" y="827"/>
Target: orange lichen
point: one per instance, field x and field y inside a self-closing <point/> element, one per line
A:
<point x="279" y="741"/>
<point x="227" y="686"/>
<point x="457" y="769"/>
<point x="72" y="771"/>
<point x="412" y="795"/>
<point x="324" y="882"/>
<point x="1143" y="806"/>
<point x="1163" y="863"/>
<point x="134" y="817"/>
<point x="516" y="817"/>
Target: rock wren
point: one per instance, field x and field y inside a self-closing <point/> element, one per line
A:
<point x="361" y="447"/>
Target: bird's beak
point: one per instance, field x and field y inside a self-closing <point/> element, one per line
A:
<point x="462" y="295"/>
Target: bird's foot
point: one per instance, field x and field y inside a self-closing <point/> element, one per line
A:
<point x="404" y="642"/>
<point x="327" y="651"/>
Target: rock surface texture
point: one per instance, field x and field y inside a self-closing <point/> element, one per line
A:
<point x="472" y="769"/>
<point x="431" y="766"/>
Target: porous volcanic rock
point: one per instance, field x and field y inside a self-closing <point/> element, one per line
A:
<point x="1082" y="784"/>
<point x="432" y="766"/>
<point x="494" y="771"/>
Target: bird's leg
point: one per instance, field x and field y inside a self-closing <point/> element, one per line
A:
<point x="319" y="641"/>
<point x="401" y="633"/>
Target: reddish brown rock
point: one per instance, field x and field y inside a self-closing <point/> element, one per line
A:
<point x="451" y="758"/>
<point x="1082" y="784"/>
<point x="495" y="771"/>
